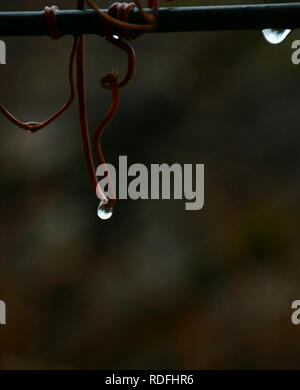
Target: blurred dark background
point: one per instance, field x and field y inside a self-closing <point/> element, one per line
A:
<point x="155" y="286"/>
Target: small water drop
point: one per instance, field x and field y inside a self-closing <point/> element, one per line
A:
<point x="105" y="210"/>
<point x="275" y="36"/>
<point x="33" y="124"/>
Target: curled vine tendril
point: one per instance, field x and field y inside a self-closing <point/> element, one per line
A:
<point x="117" y="29"/>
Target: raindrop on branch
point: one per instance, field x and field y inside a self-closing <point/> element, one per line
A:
<point x="275" y="36"/>
<point x="105" y="210"/>
<point x="33" y="124"/>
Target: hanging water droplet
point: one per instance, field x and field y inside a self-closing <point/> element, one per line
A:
<point x="33" y="124"/>
<point x="275" y="36"/>
<point x="105" y="210"/>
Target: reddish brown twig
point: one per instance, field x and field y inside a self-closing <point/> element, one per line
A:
<point x="50" y="13"/>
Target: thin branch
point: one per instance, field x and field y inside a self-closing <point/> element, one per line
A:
<point x="172" y="19"/>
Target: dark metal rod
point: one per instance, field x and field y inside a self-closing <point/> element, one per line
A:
<point x="172" y="19"/>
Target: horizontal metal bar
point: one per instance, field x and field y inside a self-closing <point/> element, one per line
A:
<point x="172" y="19"/>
